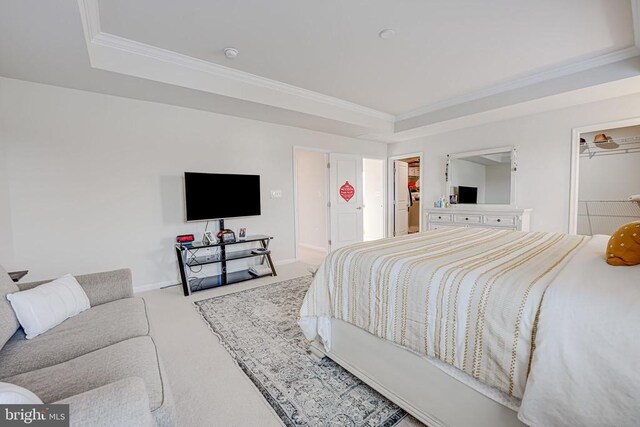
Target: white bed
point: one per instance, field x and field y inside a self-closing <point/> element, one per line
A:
<point x="439" y="394"/>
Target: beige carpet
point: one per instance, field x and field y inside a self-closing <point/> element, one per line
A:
<point x="208" y="387"/>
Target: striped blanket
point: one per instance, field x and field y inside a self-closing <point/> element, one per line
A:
<point x="467" y="296"/>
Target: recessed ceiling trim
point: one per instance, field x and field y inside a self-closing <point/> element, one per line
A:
<point x="131" y="46"/>
<point x="90" y="17"/>
<point x="586" y="95"/>
<point x="531" y="79"/>
<point x="121" y="55"/>
<point x="118" y="54"/>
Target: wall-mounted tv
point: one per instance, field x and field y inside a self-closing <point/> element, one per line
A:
<point x="219" y="196"/>
<point x="467" y="195"/>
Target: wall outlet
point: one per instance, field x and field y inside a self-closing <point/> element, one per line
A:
<point x="276" y="194"/>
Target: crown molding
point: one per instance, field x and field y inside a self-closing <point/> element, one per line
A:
<point x="137" y="48"/>
<point x="549" y="73"/>
<point x="90" y="17"/>
<point x="118" y="54"/>
<point x="121" y="55"/>
<point x="585" y="95"/>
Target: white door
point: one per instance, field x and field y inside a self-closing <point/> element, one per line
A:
<point x="346" y="200"/>
<point x="400" y="198"/>
<point x="373" y="189"/>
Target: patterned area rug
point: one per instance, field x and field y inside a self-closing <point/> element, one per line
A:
<point x="258" y="327"/>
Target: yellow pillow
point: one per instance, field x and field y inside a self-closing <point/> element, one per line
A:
<point x="624" y="245"/>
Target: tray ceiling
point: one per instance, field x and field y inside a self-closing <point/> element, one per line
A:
<point x="322" y="66"/>
<point x="442" y="49"/>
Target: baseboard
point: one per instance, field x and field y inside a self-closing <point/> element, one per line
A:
<point x="313" y="247"/>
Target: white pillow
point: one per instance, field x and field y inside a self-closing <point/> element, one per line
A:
<point x="11" y="394"/>
<point x="46" y="306"/>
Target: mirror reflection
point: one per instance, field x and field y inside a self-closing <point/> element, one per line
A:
<point x="481" y="178"/>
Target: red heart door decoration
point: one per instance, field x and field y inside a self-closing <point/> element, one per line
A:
<point x="347" y="191"/>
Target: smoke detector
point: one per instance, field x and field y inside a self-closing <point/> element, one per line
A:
<point x="231" y="52"/>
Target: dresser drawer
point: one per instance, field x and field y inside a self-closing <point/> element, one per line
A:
<point x="501" y="220"/>
<point x="437" y="217"/>
<point x="467" y="219"/>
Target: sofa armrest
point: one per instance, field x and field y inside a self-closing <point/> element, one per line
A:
<point x="101" y="287"/>
<point x="121" y="403"/>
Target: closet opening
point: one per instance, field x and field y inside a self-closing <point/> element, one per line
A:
<point x="606" y="188"/>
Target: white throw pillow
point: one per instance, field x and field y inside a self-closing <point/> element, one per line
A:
<point x="11" y="394"/>
<point x="46" y="306"/>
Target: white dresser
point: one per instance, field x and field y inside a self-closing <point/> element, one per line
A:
<point x="512" y="219"/>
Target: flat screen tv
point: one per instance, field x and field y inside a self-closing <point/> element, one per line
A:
<point x="220" y="196"/>
<point x="468" y="195"/>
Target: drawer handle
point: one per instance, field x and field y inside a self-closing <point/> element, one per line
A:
<point x="439" y="217"/>
<point x="498" y="219"/>
<point x="466" y="219"/>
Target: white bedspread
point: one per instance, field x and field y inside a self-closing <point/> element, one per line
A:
<point x="586" y="364"/>
<point x="466" y="296"/>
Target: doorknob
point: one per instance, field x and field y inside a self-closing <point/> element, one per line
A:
<point x="359" y="208"/>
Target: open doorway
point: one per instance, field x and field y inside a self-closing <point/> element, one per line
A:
<point x="311" y="205"/>
<point x="404" y="194"/>
<point x="607" y="184"/>
<point x="339" y="200"/>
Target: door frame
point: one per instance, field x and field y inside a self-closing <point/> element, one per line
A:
<point x="385" y="176"/>
<point x="390" y="183"/>
<point x="296" y="221"/>
<point x="575" y="163"/>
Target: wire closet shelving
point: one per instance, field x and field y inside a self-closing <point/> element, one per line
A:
<point x="612" y="146"/>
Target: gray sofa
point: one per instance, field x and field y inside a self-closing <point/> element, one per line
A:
<point x="102" y="362"/>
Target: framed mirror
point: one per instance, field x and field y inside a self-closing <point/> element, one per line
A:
<point x="484" y="177"/>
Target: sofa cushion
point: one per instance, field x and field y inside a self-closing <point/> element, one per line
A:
<point x="8" y="320"/>
<point x="121" y="403"/>
<point x="135" y="357"/>
<point x="100" y="287"/>
<point x="90" y="330"/>
<point x="48" y="305"/>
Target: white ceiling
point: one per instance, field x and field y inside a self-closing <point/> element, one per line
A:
<point x="442" y="50"/>
<point x="321" y="66"/>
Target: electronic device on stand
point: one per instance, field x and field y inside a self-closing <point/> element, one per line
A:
<point x="212" y="196"/>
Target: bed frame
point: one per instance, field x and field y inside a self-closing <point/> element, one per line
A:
<point x="420" y="388"/>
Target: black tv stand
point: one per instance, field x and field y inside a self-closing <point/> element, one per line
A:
<point x="191" y="255"/>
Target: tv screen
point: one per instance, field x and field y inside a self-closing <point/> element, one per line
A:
<point x="468" y="195"/>
<point x="219" y="196"/>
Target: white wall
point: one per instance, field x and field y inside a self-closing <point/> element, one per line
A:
<point x="543" y="158"/>
<point x="95" y="181"/>
<point x="312" y="199"/>
<point x="6" y="233"/>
